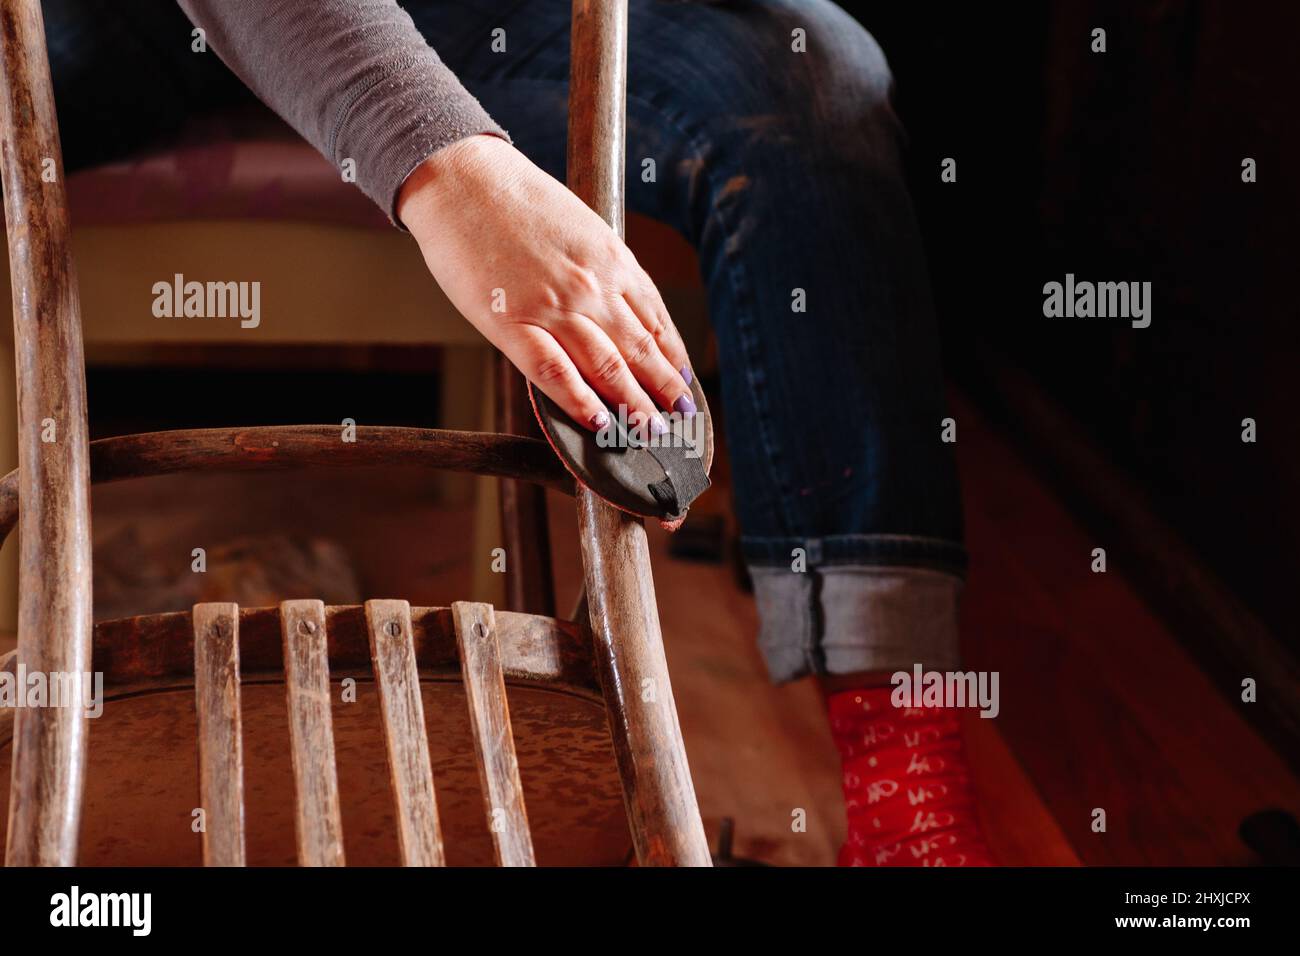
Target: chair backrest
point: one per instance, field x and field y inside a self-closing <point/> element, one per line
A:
<point x="55" y="625"/>
<point x="318" y="821"/>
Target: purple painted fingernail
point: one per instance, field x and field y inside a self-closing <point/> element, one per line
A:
<point x="684" y="406"/>
<point x="599" y="420"/>
<point x="687" y="377"/>
<point x="658" y="426"/>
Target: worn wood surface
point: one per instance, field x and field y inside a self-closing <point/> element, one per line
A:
<point x="303" y="446"/>
<point x="319" y="826"/>
<point x="392" y="650"/>
<point x="662" y="810"/>
<point x="530" y="585"/>
<point x="54" y="615"/>
<point x="158" y="648"/>
<point x="560" y="730"/>
<point x="661" y="803"/>
<point x="494" y="742"/>
<point x="570" y="779"/>
<point x="597" y="106"/>
<point x="221" y="739"/>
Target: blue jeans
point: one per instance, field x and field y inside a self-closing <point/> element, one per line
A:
<point x="782" y="169"/>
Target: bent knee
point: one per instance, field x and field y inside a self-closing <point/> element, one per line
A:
<point x="782" y="70"/>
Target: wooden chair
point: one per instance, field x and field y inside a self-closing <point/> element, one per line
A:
<point x="611" y="657"/>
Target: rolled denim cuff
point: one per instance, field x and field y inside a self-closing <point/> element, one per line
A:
<point x="842" y="617"/>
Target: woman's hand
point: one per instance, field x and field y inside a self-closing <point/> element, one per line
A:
<point x="546" y="281"/>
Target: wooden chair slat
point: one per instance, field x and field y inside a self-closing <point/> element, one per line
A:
<point x="221" y="748"/>
<point x="319" y="824"/>
<point x="494" y="743"/>
<point x="392" y="650"/>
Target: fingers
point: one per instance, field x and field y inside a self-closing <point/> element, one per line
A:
<point x="609" y="371"/>
<point x="644" y="299"/>
<point x="645" y="356"/>
<point x="633" y="316"/>
<point x="537" y="354"/>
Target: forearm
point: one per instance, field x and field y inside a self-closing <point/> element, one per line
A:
<point x="529" y="264"/>
<point x="354" y="77"/>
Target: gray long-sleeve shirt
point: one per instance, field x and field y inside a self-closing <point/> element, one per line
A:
<point x="354" y="77"/>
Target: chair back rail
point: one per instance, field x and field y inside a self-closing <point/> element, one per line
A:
<point x="302" y="446"/>
<point x="156" y="650"/>
<point x="657" y="788"/>
<point x="54" y="612"/>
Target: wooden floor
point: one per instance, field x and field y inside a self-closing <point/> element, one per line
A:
<point x="1100" y="707"/>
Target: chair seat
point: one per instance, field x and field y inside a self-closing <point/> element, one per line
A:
<point x="143" y="778"/>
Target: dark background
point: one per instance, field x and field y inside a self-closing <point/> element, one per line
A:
<point x="1126" y="166"/>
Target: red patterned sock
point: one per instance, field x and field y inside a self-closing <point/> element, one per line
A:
<point x="907" y="789"/>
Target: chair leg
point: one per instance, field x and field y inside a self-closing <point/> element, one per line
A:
<point x="530" y="586"/>
<point x="54" y="615"/>
<point x="633" y="670"/>
<point x="657" y="788"/>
